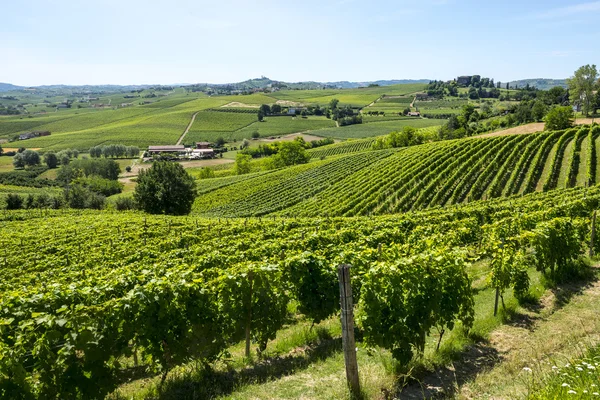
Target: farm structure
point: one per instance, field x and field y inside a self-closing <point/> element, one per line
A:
<point x="166" y="149"/>
<point x="33" y="134"/>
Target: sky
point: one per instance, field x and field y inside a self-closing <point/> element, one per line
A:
<point x="77" y="42"/>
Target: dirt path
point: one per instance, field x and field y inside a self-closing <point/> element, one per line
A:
<point x="528" y="128"/>
<point x="188" y="128"/>
<point x="412" y="105"/>
<point x="550" y="332"/>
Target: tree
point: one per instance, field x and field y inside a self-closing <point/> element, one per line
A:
<point x="165" y="188"/>
<point x="582" y="85"/>
<point x="333" y="104"/>
<point x="276" y="109"/>
<point x="260" y="115"/>
<point x="559" y="118"/>
<point x="50" y="159"/>
<point x="1" y="150"/>
<point x="245" y="144"/>
<point x="242" y="164"/>
<point x="290" y="153"/>
<point x="31" y="157"/>
<point x="538" y="111"/>
<point x="14" y="201"/>
<point x="255" y="135"/>
<point x="220" y="142"/>
<point x="266" y="110"/>
<point x="18" y="161"/>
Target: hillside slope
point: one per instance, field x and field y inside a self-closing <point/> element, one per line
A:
<point x="430" y="175"/>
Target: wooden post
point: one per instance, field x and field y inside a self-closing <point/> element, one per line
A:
<point x="348" y="330"/>
<point x="249" y="315"/>
<point x="593" y="234"/>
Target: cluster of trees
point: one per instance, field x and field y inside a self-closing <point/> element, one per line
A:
<point x="114" y="151"/>
<point x="15" y="201"/>
<point x="408" y="136"/>
<point x="29" y="158"/>
<point x="265" y="150"/>
<point x="9" y="110"/>
<point x="88" y="182"/>
<point x="282" y="154"/>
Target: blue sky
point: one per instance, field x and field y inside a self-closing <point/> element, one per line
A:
<point x="189" y="41"/>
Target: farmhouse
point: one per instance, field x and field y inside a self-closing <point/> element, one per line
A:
<point x="414" y="114"/>
<point x="201" y="153"/>
<point x="33" y="134"/>
<point x="203" y="145"/>
<point x="166" y="149"/>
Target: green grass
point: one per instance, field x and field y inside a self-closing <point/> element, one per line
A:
<point x="375" y="128"/>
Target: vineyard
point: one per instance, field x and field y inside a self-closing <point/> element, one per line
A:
<point x="84" y="292"/>
<point x="430" y="175"/>
<point x="351" y="146"/>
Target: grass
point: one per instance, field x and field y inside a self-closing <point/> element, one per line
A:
<point x="307" y="362"/>
<point x="564" y="167"/>
<point x="6" y="164"/>
<point x="375" y="128"/>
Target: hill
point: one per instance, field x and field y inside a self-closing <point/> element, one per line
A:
<point x="400" y="180"/>
<point x="5" y="87"/>
<point x="540" y="83"/>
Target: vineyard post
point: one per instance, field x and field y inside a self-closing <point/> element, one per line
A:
<point x="347" y="316"/>
<point x="593" y="234"/>
<point x="379" y="247"/>
<point x="498" y="288"/>
<point x="249" y="314"/>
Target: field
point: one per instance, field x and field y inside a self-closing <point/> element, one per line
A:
<point x="166" y="117"/>
<point x="91" y="298"/>
<point x="472" y="260"/>
<point x="430" y="175"/>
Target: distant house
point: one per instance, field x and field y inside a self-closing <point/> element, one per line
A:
<point x="33" y="134"/>
<point x="62" y="106"/>
<point x="203" y="145"/>
<point x="414" y="114"/>
<point x="125" y="104"/>
<point x="291" y="111"/>
<point x="166" y="149"/>
<point x="25" y="136"/>
<point x="201" y="153"/>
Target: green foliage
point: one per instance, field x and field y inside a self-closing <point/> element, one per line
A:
<point x="242" y="164"/>
<point x="582" y="85"/>
<point x="51" y="159"/>
<point x="103" y="186"/>
<point x="557" y="244"/>
<point x="407" y="137"/>
<point x="165" y="188"/>
<point x="559" y="118"/>
<point x="206" y="173"/>
<point x="403" y="300"/>
<point x="290" y="153"/>
<point x="314" y="285"/>
<point x="14" y="201"/>
<point x="104" y="168"/>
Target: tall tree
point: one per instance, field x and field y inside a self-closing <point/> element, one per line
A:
<point x="582" y="85"/>
<point x="165" y="188"/>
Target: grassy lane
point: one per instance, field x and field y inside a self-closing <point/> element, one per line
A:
<point x="564" y="167"/>
<point x="547" y="169"/>
<point x="584" y="157"/>
<point x="540" y="342"/>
